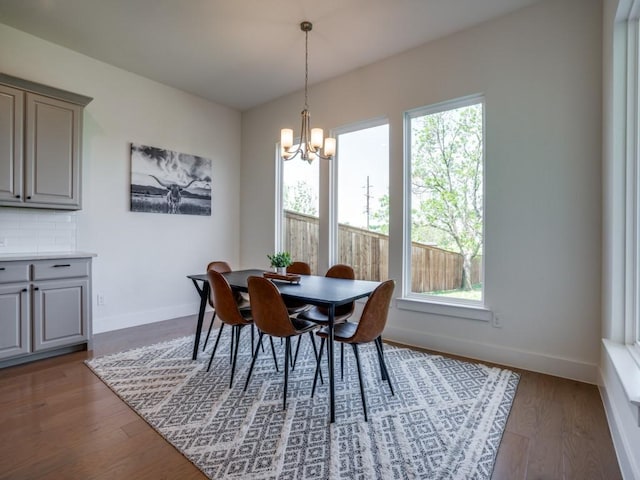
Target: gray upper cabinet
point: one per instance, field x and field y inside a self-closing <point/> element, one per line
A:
<point x="40" y="145"/>
<point x="11" y="141"/>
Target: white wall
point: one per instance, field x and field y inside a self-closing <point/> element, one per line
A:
<point x="540" y="70"/>
<point x="142" y="258"/>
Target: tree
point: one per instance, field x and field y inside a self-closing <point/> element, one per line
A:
<point x="446" y="175"/>
<point x="300" y="198"/>
<point x="381" y="216"/>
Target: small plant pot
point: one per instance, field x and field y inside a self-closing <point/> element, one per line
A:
<point x="281" y="270"/>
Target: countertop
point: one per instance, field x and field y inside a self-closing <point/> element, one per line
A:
<point x="9" y="257"/>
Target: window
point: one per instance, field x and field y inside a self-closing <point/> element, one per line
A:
<point x="361" y="204"/>
<point x="444" y="201"/>
<point x="299" y="207"/>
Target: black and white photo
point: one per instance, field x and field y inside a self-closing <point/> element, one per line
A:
<point x="164" y="181"/>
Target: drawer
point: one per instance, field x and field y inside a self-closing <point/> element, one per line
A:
<point x="61" y="268"/>
<point x="11" y="272"/>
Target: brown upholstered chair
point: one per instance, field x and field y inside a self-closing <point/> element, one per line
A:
<point x="226" y="307"/>
<point x="320" y="315"/>
<point x="272" y="318"/>
<point x="368" y="329"/>
<point x="296" y="306"/>
<point x="241" y="300"/>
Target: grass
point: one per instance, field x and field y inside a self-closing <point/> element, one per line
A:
<point x="474" y="294"/>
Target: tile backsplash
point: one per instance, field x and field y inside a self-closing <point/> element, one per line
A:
<point x="26" y="230"/>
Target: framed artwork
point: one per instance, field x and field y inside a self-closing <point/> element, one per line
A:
<point x="164" y="181"/>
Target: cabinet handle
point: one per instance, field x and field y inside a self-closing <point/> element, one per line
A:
<point x="62" y="265"/>
<point x="17" y="196"/>
<point x="35" y="289"/>
<point x="2" y="268"/>
<point x="29" y="197"/>
<point x="24" y="290"/>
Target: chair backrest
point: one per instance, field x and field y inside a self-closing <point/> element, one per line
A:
<point x="223" y="267"/>
<point x="375" y="313"/>
<point x="301" y="268"/>
<point x="341" y="271"/>
<point x="219" y="266"/>
<point x="224" y="300"/>
<point x="268" y="309"/>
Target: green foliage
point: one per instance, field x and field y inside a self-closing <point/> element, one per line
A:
<point x="280" y="259"/>
<point x="381" y="216"/>
<point x="300" y="198"/>
<point x="447" y="191"/>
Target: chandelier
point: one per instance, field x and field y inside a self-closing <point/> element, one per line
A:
<point x="311" y="139"/>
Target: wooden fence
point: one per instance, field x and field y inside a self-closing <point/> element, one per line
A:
<point x="368" y="253"/>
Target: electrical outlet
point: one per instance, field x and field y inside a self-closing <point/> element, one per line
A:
<point x="100" y="299"/>
<point x="497" y="321"/>
<point x="3" y="242"/>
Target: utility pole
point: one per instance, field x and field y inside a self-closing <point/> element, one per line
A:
<point x="368" y="197"/>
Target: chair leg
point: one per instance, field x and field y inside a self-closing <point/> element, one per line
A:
<point x="253" y="360"/>
<point x="273" y="350"/>
<point x="236" y="331"/>
<point x="231" y="349"/>
<point x="341" y="361"/>
<point x="315" y="353"/>
<point x="215" y="346"/>
<point x="383" y="364"/>
<point x="287" y="354"/>
<point x="295" y="357"/>
<point x="315" y="377"/>
<point x="383" y="372"/>
<point x="209" y="331"/>
<point x="364" y="402"/>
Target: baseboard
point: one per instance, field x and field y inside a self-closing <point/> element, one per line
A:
<point x="117" y="322"/>
<point x="510" y="357"/>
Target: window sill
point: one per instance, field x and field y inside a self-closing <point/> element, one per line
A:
<point x="627" y="369"/>
<point x="469" y="312"/>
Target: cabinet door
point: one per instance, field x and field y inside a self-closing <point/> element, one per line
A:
<point x="14" y="321"/>
<point x="60" y="313"/>
<point x="52" y="152"/>
<point x="11" y="107"/>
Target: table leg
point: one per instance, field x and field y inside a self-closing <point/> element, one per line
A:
<point x="332" y="402"/>
<point x="204" y="294"/>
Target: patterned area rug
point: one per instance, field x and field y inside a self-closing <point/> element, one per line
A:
<point x="445" y="421"/>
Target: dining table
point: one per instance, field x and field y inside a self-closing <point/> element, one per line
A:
<point x="316" y="290"/>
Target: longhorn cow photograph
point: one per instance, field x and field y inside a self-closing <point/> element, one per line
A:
<point x="164" y="181"/>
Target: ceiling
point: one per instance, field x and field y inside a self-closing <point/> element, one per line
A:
<point x="242" y="53"/>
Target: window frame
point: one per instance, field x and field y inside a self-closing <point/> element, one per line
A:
<point x="451" y="306"/>
<point x="333" y="176"/>
<point x="279" y="241"/>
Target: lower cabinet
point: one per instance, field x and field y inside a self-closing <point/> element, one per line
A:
<point x="48" y="313"/>
<point x="59" y="313"/>
<point x="14" y="321"/>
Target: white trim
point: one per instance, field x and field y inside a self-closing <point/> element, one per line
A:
<point x="459" y="310"/>
<point x="622" y="416"/>
<point x="510" y="357"/>
<point x="407" y="242"/>
<point x="279" y="203"/>
<point x="627" y="369"/>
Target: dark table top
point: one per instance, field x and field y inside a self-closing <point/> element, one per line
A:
<point x="312" y="289"/>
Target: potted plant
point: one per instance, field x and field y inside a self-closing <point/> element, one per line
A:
<point x="280" y="261"/>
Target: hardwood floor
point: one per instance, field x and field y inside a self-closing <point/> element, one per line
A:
<point x="58" y="421"/>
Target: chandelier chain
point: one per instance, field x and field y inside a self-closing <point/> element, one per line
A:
<point x="306" y="69"/>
